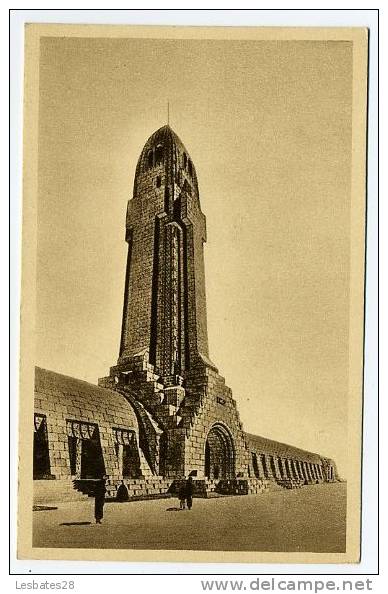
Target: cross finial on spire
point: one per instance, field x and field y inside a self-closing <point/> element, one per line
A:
<point x="168" y="113"/>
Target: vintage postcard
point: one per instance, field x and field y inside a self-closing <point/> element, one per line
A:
<point x="192" y="293"/>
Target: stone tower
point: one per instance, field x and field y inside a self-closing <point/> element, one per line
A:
<point x="165" y="304"/>
<point x="164" y="365"/>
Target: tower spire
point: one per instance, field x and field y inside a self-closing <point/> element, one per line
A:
<point x="168" y="113"/>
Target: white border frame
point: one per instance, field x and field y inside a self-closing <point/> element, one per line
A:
<point x="321" y="18"/>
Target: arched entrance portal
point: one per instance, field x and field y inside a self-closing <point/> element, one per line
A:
<point x="219" y="454"/>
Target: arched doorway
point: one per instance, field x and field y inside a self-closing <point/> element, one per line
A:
<point x="219" y="454"/>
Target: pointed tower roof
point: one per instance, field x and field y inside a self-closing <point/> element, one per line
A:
<point x="174" y="155"/>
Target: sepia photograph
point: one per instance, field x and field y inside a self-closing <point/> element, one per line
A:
<point x="192" y="313"/>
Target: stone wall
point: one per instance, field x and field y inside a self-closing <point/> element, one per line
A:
<point x="140" y="231"/>
<point x="174" y="434"/>
<point x="187" y="413"/>
<point x="287" y="464"/>
<point x="61" y="400"/>
<point x="210" y="403"/>
<point x="165" y="300"/>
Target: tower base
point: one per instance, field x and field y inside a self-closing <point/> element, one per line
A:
<point x="199" y="429"/>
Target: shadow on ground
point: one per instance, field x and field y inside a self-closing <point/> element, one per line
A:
<point x="75" y="524"/>
<point x="310" y="519"/>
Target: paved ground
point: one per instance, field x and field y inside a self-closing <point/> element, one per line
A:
<point x="311" y="519"/>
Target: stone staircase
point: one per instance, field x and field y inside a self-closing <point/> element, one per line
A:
<point x="147" y="488"/>
<point x="199" y="487"/>
<point x="290" y="483"/>
<point x="171" y="406"/>
<point x="154" y="487"/>
<point x="211" y="485"/>
<point x="208" y="488"/>
<point x="56" y="491"/>
<point x="257" y="486"/>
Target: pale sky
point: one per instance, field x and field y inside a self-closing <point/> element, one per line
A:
<point x="268" y="127"/>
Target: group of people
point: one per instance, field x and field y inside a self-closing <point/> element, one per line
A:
<point x="185" y="495"/>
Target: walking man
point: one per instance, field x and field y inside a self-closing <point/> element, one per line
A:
<point x="99" y="499"/>
<point x="189" y="492"/>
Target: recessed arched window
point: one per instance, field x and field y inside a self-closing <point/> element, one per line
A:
<point x="158" y="181"/>
<point x="184" y="160"/>
<point x="158" y="154"/>
<point x="190" y="168"/>
<point x="150" y="158"/>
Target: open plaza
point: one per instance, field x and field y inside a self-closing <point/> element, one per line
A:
<point x="310" y="519"/>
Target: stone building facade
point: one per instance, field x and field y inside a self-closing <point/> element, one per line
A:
<point x="164" y="398"/>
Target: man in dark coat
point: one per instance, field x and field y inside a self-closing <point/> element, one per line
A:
<point x="182" y="495"/>
<point x="99" y="500"/>
<point x="189" y="492"/>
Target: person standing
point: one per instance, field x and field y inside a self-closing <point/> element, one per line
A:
<point x="189" y="492"/>
<point x="99" y="499"/>
<point x="122" y="493"/>
<point x="182" y="495"/>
